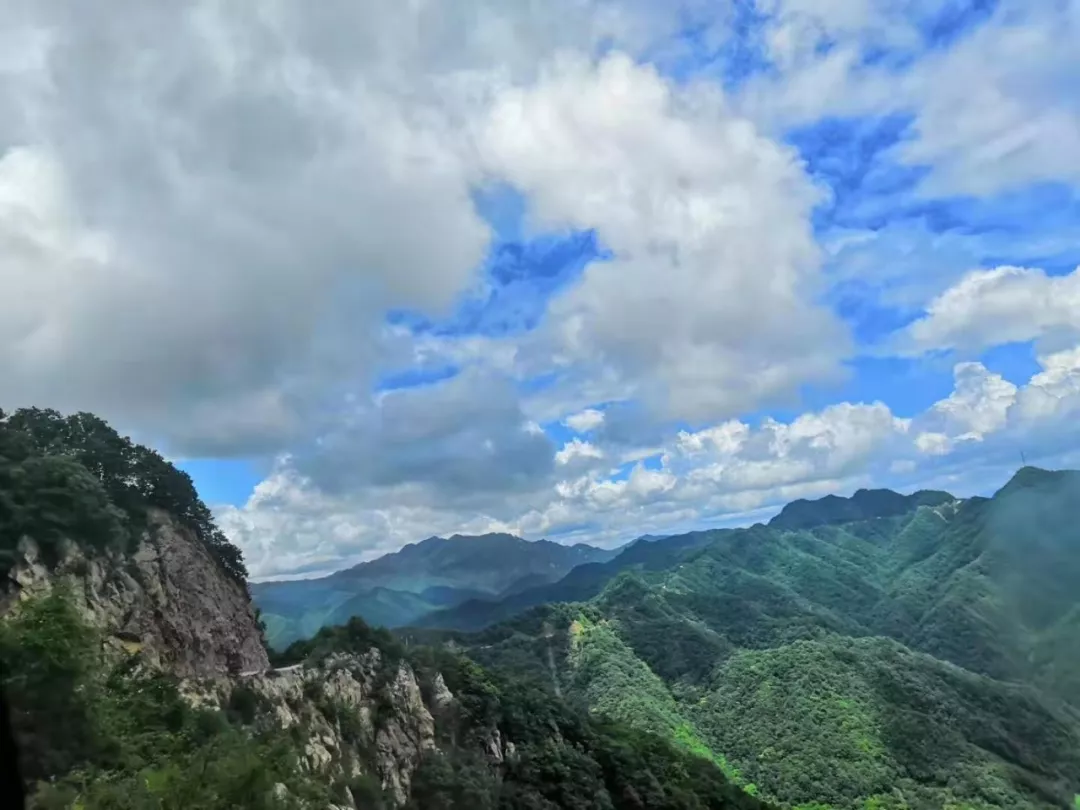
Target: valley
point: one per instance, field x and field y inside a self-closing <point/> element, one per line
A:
<point x="878" y="652"/>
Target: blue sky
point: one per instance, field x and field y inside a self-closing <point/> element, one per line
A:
<point x="626" y="268"/>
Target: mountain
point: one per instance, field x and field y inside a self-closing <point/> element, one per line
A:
<point x="398" y="588"/>
<point x="651" y="552"/>
<point x="136" y="675"/>
<point x="488" y="563"/>
<point x="582" y="582"/>
<point x="923" y="657"/>
<point x="865" y="504"/>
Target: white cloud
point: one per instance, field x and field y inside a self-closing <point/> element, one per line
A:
<point x="584" y="421"/>
<point x="1053" y="394"/>
<point x="728" y="473"/>
<point x="996" y="110"/>
<point x="708" y="306"/>
<point x="189" y="218"/>
<point x="979" y="403"/>
<point x="576" y="449"/>
<point x="215" y="222"/>
<point x="1000" y="110"/>
<point x="991" y="307"/>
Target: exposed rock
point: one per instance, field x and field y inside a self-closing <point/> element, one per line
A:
<point x="171" y="604"/>
<point x="401" y="742"/>
<point x="441" y="696"/>
<point x="169" y="601"/>
<point x="493" y="747"/>
<point x="354" y="720"/>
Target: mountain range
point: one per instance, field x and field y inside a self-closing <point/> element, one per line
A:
<point x="137" y="678"/>
<point x="925" y="654"/>
<point x="878" y="652"/>
<point x="467" y="583"/>
<point x="400" y="588"/>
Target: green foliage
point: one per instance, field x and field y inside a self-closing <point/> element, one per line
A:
<point x="866" y="504"/>
<point x="49" y="660"/>
<point x="785" y="655"/>
<point x="563" y="759"/>
<point x="98" y="735"/>
<point x="560" y="756"/>
<point x="355" y="636"/>
<point x="74" y="478"/>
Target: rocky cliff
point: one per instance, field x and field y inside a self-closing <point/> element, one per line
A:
<point x="168" y="600"/>
<point x="356" y="714"/>
<point x="169" y="605"/>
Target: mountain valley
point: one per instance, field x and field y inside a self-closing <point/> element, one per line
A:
<point x="878" y="652"/>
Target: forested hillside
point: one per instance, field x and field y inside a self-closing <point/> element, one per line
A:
<point x="75" y="477"/>
<point x="920" y="659"/>
<point x="357" y="720"/>
<point x="924" y="657"/>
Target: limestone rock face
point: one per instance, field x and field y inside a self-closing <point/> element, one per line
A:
<point x="353" y="718"/>
<point x="170" y="601"/>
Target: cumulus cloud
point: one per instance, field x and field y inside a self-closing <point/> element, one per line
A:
<point x="708" y="306"/>
<point x="729" y="473"/>
<point x="575" y="450"/>
<point x="979" y="405"/>
<point x="215" y="221"/>
<point x="1052" y="399"/>
<point x="993" y="112"/>
<point x="586" y="420"/>
<point x="991" y="307"/>
<point x="453" y="441"/>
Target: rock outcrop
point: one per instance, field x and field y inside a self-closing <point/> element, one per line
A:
<point x="354" y="717"/>
<point x="169" y="600"/>
<point x="354" y="714"/>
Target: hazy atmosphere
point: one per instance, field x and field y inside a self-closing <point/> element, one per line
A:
<point x="573" y="269"/>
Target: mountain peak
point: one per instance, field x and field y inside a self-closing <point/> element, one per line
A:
<point x="1037" y="478"/>
<point x="865" y="504"/>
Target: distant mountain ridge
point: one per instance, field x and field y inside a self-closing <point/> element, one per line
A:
<point x="865" y="504"/>
<point x="399" y="588"/>
<point x="652" y="552"/>
<point x="490" y="563"/>
<point x="582" y="582"/>
<point x="929" y="658"/>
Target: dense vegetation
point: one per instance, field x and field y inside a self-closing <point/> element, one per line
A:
<point x="101" y="734"/>
<point x="563" y="757"/>
<point x="75" y="478"/>
<point x="96" y="733"/>
<point x="923" y="655"/>
<point x="920" y="660"/>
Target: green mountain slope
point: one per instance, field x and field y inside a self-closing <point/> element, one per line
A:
<point x="361" y="721"/>
<point x="839" y="720"/>
<point x="925" y="659"/>
<point x="582" y="582"/>
<point x="865" y="504"/>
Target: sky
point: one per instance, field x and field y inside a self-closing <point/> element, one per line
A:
<point x="376" y="270"/>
